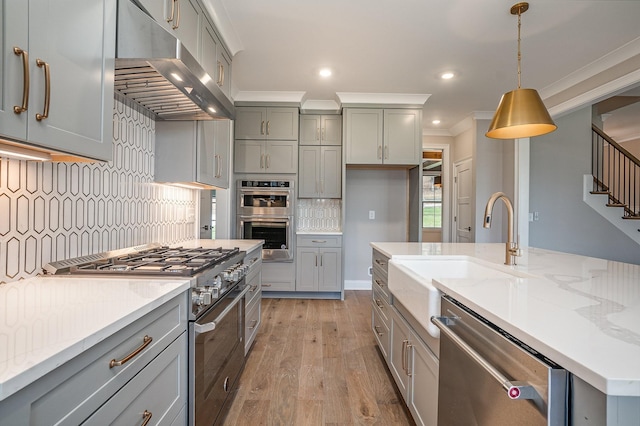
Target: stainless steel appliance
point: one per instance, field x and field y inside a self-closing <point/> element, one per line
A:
<point x="216" y="320"/>
<point x="265" y="212"/>
<point x="488" y="377"/>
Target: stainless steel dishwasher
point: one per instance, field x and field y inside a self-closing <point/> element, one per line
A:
<point x="488" y="377"/>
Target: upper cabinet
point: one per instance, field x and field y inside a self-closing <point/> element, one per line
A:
<point x="377" y="136"/>
<point x="214" y="58"/>
<point x="181" y="17"/>
<point x="193" y="152"/>
<point x="320" y="130"/>
<point x="57" y="74"/>
<point x="277" y="123"/>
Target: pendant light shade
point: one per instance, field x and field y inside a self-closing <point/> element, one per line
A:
<point x="521" y="112"/>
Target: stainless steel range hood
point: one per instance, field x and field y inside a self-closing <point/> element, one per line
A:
<point x="154" y="69"/>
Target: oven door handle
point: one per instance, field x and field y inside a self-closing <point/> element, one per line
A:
<point x="210" y="326"/>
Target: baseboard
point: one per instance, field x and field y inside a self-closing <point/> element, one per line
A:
<point x="357" y="284"/>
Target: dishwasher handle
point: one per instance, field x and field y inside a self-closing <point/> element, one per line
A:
<point x="210" y="326"/>
<point x="514" y="389"/>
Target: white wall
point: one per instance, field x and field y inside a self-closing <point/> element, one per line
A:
<point x="383" y="191"/>
<point x="558" y="162"/>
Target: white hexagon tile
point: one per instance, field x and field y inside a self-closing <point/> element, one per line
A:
<point x="56" y="211"/>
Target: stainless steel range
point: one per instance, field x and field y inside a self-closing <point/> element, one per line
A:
<point x="216" y="322"/>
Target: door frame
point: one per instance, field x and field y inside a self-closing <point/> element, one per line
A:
<point x="446" y="183"/>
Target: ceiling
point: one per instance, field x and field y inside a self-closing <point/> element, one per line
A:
<point x="391" y="46"/>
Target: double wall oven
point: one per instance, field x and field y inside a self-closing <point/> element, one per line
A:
<point x="216" y="321"/>
<point x="265" y="211"/>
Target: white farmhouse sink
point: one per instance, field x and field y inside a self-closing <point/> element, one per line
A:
<point x="410" y="281"/>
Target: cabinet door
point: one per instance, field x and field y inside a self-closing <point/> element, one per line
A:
<point x="307" y="269"/>
<point x="13" y="33"/>
<point x="402" y="136"/>
<point x="222" y="147"/>
<point x="330" y="172"/>
<point x="330" y="272"/>
<point x="331" y="129"/>
<point x="223" y="76"/>
<point x="423" y="397"/>
<point x="205" y="152"/>
<point x="363" y="136"/>
<point x="282" y="124"/>
<point x="209" y="46"/>
<point x="400" y="337"/>
<point x="186" y="25"/>
<point x="309" y="172"/>
<point x="249" y="156"/>
<point x="309" y="130"/>
<point x="250" y="123"/>
<point x="281" y="157"/>
<point x="81" y="75"/>
<point x="160" y="10"/>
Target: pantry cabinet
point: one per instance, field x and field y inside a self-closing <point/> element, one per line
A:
<point x="57" y="75"/>
<point x="193" y="152"/>
<point x="319" y="263"/>
<point x="267" y="123"/>
<point x="320" y="130"/>
<point x="320" y="172"/>
<point x="383" y="136"/>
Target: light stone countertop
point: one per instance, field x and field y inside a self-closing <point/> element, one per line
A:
<point x="581" y="312"/>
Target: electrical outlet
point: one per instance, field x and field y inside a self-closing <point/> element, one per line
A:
<point x="372" y="214"/>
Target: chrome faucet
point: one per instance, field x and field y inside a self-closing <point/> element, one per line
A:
<point x="512" y="249"/>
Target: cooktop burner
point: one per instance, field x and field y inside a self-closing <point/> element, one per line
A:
<point x="157" y="260"/>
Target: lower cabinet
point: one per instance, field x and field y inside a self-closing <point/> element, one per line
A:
<point x="72" y="393"/>
<point x="319" y="263"/>
<point x="253" y="298"/>
<point x="278" y="276"/>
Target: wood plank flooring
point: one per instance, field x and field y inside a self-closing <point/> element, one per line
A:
<point x="315" y="362"/>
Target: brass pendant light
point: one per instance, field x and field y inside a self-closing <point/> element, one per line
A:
<point x="520" y="113"/>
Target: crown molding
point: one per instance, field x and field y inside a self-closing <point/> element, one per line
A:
<point x="406" y="100"/>
<point x="249" y="97"/>
<point x="220" y="17"/>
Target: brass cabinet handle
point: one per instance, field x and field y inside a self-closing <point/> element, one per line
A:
<point x="379" y="283"/>
<point x="253" y="288"/>
<point x="386" y="152"/>
<point x="266" y="285"/>
<point x="379" y="152"/>
<point x="25" y="80"/>
<point x="176" y="24"/>
<point x="409" y="370"/>
<point x="378" y="332"/>
<point x="47" y="89"/>
<point x="268" y="159"/>
<point x="146" y="416"/>
<point x="381" y="263"/>
<point x="254" y="322"/>
<point x="319" y="241"/>
<point x="220" y="81"/>
<point x="321" y="261"/>
<point x="145" y="342"/>
<point x="404" y="355"/>
<point x="262" y="127"/>
<point x="268" y="127"/>
<point x="379" y="303"/>
<point x="173" y="4"/>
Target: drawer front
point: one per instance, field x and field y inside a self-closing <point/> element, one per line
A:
<point x="381" y="262"/>
<point x="319" y="240"/>
<point x="252" y="325"/>
<point x="379" y="283"/>
<point x="159" y="391"/>
<point x="381" y="332"/>
<point x="255" y="291"/>
<point x="380" y="303"/>
<point x="86" y="382"/>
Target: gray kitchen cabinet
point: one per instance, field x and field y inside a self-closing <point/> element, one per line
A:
<point x="158" y="392"/>
<point x="265" y="156"/>
<point x="180" y="17"/>
<point x="71" y="393"/>
<point x="194" y="152"/>
<point x="67" y="65"/>
<point x="320" y="172"/>
<point x="320" y="130"/>
<point x="278" y="276"/>
<point x="214" y="58"/>
<point x="319" y="263"/>
<point x="253" y="298"/>
<point x="270" y="123"/>
<point x="383" y="136"/>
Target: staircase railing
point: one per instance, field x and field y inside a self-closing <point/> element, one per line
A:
<point x="616" y="172"/>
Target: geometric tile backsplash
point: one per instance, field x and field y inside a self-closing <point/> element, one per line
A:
<point x="56" y="211"/>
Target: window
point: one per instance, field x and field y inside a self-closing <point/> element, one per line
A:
<point x="431" y="201"/>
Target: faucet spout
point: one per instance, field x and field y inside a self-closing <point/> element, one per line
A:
<point x="512" y="249"/>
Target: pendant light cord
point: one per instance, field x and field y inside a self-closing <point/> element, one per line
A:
<point x="519" y="54"/>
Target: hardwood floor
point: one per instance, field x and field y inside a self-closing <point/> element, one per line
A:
<point x="315" y="362"/>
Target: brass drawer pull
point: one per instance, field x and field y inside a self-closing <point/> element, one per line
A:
<point x="146" y="416"/>
<point x="47" y="89"/>
<point x="177" y="21"/>
<point x="378" y="332"/>
<point x="25" y="80"/>
<point x="319" y="241"/>
<point x="379" y="303"/>
<point x="381" y="263"/>
<point x="379" y="283"/>
<point x="262" y="128"/>
<point x="173" y="7"/>
<point x="253" y="288"/>
<point x="145" y="343"/>
<point x="255" y="322"/>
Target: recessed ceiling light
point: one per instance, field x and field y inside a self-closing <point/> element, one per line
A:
<point x="436" y="121"/>
<point x="446" y="75"/>
<point x="325" y="72"/>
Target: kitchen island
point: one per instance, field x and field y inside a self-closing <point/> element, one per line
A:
<point x="583" y="313"/>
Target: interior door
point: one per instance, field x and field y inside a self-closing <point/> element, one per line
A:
<point x="463" y="213"/>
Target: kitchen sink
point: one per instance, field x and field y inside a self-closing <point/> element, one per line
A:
<point x="410" y="282"/>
